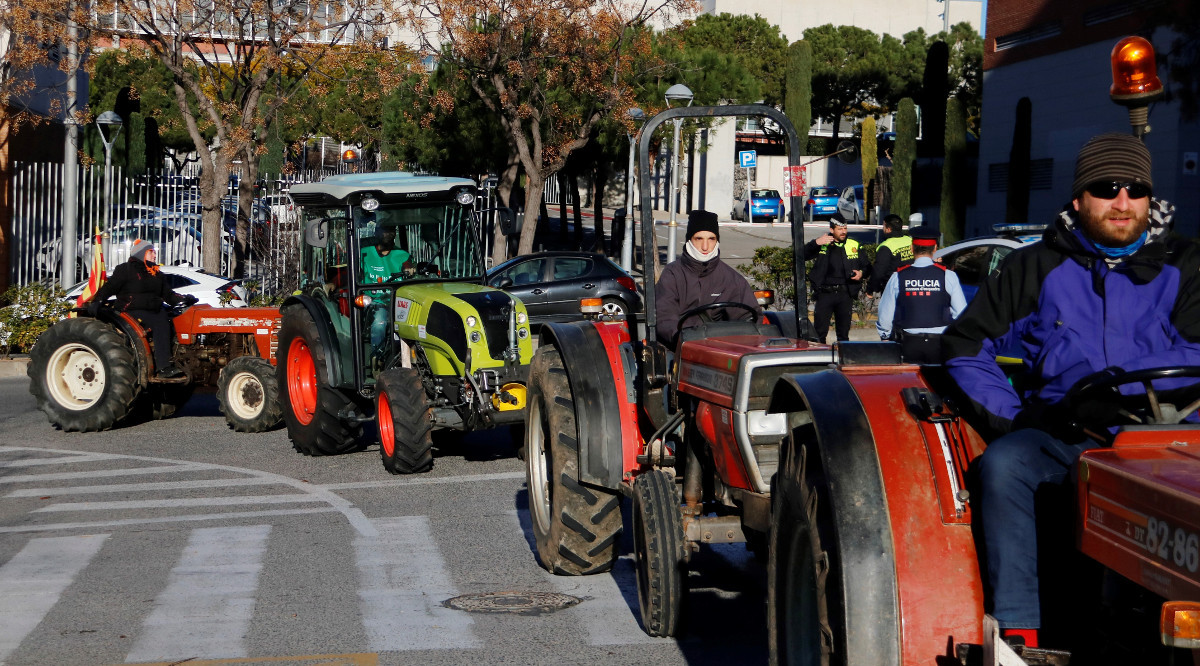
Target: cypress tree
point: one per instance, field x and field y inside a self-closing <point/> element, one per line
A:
<point x="137" y="144"/>
<point x="797" y="101"/>
<point x="1017" y="194"/>
<point x="903" y="158"/>
<point x="870" y="162"/>
<point x="954" y="196"/>
<point x="935" y="89"/>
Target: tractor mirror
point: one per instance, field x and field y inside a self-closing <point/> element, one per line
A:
<point x="507" y="221"/>
<point x="847" y="152"/>
<point x="316" y="233"/>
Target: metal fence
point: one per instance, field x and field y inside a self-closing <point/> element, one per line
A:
<point x="163" y="208"/>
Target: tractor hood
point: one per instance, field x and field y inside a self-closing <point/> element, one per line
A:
<point x="458" y="318"/>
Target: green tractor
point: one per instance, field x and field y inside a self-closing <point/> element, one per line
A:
<point x="393" y="322"/>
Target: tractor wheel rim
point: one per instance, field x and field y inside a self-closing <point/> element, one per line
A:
<point x="387" y="428"/>
<point x="246" y="395"/>
<point x="538" y="463"/>
<point x="75" y="376"/>
<point x="302" y="381"/>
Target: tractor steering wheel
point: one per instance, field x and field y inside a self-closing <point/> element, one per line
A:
<point x="703" y="311"/>
<point x="1149" y="408"/>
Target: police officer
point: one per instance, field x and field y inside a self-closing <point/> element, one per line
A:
<point x="891" y="254"/>
<point x="836" y="277"/>
<point x="919" y="301"/>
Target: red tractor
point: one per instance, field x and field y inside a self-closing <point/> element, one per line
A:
<point x="89" y="373"/>
<point x="698" y="464"/>
<point x="872" y="559"/>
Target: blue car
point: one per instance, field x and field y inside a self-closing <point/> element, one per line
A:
<point x="821" y="203"/>
<point x="762" y="205"/>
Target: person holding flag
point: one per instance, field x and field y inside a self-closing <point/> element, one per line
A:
<point x="141" y="290"/>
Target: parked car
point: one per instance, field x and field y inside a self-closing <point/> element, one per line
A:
<point x="550" y="284"/>
<point x="283" y="209"/>
<point x="975" y="259"/>
<point x="186" y="280"/>
<point x="822" y="202"/>
<point x="194" y="207"/>
<point x="759" y="206"/>
<point x="850" y="204"/>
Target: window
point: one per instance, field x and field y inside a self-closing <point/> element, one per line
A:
<point x="525" y="272"/>
<point x="1041" y="175"/>
<point x="567" y="269"/>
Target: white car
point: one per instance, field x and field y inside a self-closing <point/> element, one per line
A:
<point x="974" y="260"/>
<point x="283" y="209"/>
<point x="185" y="280"/>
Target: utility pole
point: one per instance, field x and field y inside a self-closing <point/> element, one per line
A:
<point x="70" y="181"/>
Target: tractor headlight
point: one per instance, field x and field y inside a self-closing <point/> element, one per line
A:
<point x="465" y="197"/>
<point x="475" y="336"/>
<point x="471" y="321"/>
<point x="759" y="422"/>
<point x="522" y="333"/>
<point x="521" y="318"/>
<point x="369" y="203"/>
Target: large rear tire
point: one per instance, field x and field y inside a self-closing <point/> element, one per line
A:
<point x="405" y="422"/>
<point x="659" y="551"/>
<point x="575" y="526"/>
<point x="84" y="376"/>
<point x="248" y="395"/>
<point x="311" y="404"/>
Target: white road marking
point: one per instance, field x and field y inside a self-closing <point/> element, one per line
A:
<point x="60" y="460"/>
<point x="606" y="614"/>
<point x="138" y="487"/>
<point x="33" y="580"/>
<point x="403" y="581"/>
<point x="50" y="527"/>
<point x="206" y="607"/>
<point x="179" y="503"/>
<point x="69" y="476"/>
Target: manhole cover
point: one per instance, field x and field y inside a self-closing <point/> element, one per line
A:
<point x="518" y="603"/>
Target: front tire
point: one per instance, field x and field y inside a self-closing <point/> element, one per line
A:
<point x="575" y="526"/>
<point x="312" y="404"/>
<point x="405" y="422"/>
<point x="248" y="395"/>
<point x="659" y="551"/>
<point x="84" y="376"/>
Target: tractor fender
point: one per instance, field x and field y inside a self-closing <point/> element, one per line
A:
<point x="333" y="363"/>
<point x="606" y="406"/>
<point x="139" y="341"/>
<point x="861" y="529"/>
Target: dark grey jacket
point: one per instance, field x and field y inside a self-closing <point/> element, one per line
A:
<point x="686" y="283"/>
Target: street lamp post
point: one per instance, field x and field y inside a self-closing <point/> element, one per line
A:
<point x="676" y="93"/>
<point x="638" y="117"/>
<point x="109" y="125"/>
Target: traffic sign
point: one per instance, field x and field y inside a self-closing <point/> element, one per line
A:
<point x="794" y="181"/>
<point x="747" y="159"/>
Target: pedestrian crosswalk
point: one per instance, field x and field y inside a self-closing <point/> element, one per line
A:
<point x="233" y="554"/>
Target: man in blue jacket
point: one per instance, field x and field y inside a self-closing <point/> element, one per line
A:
<point x="1109" y="287"/>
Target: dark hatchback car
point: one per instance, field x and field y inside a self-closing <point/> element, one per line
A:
<point x="550" y="284"/>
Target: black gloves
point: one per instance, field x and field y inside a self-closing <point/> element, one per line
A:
<point x="92" y="308"/>
<point x="189" y="300"/>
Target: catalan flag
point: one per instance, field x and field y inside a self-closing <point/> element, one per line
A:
<point x="96" y="272"/>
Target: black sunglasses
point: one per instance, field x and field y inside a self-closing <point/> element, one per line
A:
<point x="1111" y="190"/>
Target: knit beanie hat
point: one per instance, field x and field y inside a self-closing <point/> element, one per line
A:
<point x="139" y="249"/>
<point x="1113" y="157"/>
<point x="702" y="220"/>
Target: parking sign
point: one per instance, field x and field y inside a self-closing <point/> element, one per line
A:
<point x="747" y="159"/>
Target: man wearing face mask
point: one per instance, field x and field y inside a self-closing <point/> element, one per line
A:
<point x="699" y="277"/>
<point x="1109" y="288"/>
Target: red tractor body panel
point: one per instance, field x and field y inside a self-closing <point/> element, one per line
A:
<point x="1139" y="507"/>
<point x="715" y="424"/>
<point x="922" y="464"/>
<point x="261" y="323"/>
<point x="708" y="368"/>
<point x="613" y="335"/>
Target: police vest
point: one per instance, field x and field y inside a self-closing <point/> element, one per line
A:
<point x="900" y="247"/>
<point x="851" y="248"/>
<point x="922" y="301"/>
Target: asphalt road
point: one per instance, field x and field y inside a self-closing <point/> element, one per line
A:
<point x="176" y="540"/>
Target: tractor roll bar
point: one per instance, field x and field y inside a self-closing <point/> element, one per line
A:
<point x="804" y="328"/>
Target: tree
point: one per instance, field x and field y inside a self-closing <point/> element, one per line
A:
<point x="954" y="181"/>
<point x="934" y="91"/>
<point x="870" y="162"/>
<point x="904" y="157"/>
<point x="851" y="69"/>
<point x="1016" y="197"/>
<point x="798" y="89"/>
<point x="754" y="42"/>
<point x="135" y="142"/>
<point x="549" y="71"/>
<point x="222" y="57"/>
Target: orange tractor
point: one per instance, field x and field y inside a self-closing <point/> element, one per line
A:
<point x="90" y="373"/>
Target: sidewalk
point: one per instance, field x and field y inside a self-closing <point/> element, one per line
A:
<point x="14" y="367"/>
